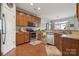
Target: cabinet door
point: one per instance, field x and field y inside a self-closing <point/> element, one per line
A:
<point x="26" y="37"/>
<point x="69" y="47"/>
<point x="21" y="18"/>
<point x="33" y="19"/>
<point x="77" y="10"/>
<point x="58" y="41"/>
<point x="56" y="37"/>
<point x="36" y="20"/>
<point x="19" y="38"/>
<point x="17" y="18"/>
<point x="27" y="18"/>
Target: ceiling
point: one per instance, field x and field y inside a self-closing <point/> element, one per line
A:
<point x="50" y="11"/>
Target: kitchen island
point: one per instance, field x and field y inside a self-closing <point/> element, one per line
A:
<point x="68" y="44"/>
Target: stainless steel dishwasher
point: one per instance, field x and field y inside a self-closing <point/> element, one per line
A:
<point x="50" y="38"/>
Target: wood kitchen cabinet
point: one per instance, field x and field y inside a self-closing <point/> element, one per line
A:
<point x="21" y="15"/>
<point x="22" y="37"/>
<point x="58" y="41"/>
<point x="27" y="19"/>
<point x="19" y="18"/>
<point x="77" y="10"/>
<point x="19" y="38"/>
<point x="36" y="20"/>
<point x="22" y="19"/>
<point x="27" y="37"/>
<point x="68" y="46"/>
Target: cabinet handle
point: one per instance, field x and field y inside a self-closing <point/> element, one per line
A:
<point x="3" y="28"/>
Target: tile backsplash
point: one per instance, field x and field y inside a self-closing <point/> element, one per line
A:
<point x="17" y="28"/>
<point x="20" y="29"/>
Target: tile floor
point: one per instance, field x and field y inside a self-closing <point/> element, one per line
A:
<point x="52" y="51"/>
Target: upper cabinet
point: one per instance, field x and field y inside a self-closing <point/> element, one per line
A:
<point x="23" y="19"/>
<point x="77" y="10"/>
<point x="36" y="20"/>
<point x="19" y="18"/>
<point x="27" y="18"/>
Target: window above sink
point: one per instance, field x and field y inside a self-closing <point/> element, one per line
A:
<point x="60" y="25"/>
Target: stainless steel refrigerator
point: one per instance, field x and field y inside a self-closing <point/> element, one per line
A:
<point x="7" y="27"/>
<point x="0" y="29"/>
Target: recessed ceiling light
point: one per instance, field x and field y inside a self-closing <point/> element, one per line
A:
<point x="31" y="4"/>
<point x="38" y="8"/>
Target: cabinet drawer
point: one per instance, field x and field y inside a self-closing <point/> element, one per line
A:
<point x="19" y="38"/>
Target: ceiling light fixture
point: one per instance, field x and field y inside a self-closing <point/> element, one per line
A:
<point x="38" y="8"/>
<point x="31" y="4"/>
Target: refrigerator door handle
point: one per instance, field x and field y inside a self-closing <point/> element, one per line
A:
<point x="3" y="28"/>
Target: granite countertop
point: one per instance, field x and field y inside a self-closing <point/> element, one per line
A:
<point x="54" y="32"/>
<point x="71" y="36"/>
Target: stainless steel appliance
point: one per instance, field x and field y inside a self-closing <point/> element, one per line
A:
<point x="7" y="27"/>
<point x="32" y="33"/>
<point x="31" y="30"/>
<point x="50" y="38"/>
<point x="0" y="29"/>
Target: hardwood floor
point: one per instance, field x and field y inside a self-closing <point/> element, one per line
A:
<point x="28" y="50"/>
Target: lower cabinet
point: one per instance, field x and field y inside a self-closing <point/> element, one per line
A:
<point x="58" y="41"/>
<point x="26" y="37"/>
<point x="19" y="38"/>
<point x="68" y="46"/>
<point x="22" y="37"/>
<point x="39" y="35"/>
